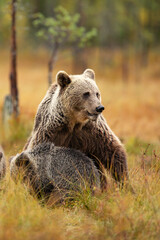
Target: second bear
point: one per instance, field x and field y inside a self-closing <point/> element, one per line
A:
<point x="2" y="164"/>
<point x="55" y="170"/>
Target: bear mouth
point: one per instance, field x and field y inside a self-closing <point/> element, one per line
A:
<point x="92" y="116"/>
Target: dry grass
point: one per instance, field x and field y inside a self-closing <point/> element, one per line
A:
<point x="133" y="112"/>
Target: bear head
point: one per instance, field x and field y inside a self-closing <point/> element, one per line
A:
<point x="80" y="96"/>
<point x="22" y="166"/>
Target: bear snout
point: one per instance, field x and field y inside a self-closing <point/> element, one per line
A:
<point x="99" y="109"/>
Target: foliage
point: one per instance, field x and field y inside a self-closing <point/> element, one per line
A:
<point x="136" y="146"/>
<point x="62" y="28"/>
<point x="18" y="131"/>
<point x="119" y="23"/>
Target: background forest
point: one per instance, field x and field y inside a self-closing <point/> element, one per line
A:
<point x="120" y="41"/>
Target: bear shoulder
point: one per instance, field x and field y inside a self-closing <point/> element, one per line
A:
<point x="44" y="105"/>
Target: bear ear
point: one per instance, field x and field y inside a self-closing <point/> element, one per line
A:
<point x="89" y="73"/>
<point x="22" y="160"/>
<point x="63" y="79"/>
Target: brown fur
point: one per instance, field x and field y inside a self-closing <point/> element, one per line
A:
<point x="57" y="171"/>
<point x="62" y="119"/>
<point x="2" y="163"/>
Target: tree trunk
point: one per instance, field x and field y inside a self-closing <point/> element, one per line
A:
<point x="137" y="67"/>
<point x="13" y="73"/>
<point x="51" y="62"/>
<point x="144" y="55"/>
<point x="79" y="58"/>
<point x="125" y="66"/>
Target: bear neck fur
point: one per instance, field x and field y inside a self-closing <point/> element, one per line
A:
<point x="57" y="121"/>
<point x="57" y="116"/>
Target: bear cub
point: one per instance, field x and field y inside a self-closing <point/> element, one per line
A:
<point x="59" y="171"/>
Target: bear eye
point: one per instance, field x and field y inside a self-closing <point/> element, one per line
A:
<point x="98" y="95"/>
<point x="86" y="94"/>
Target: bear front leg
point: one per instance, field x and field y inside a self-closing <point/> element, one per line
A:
<point x="118" y="164"/>
<point x="111" y="151"/>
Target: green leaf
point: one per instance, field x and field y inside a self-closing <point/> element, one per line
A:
<point x="41" y="33"/>
<point x="64" y="27"/>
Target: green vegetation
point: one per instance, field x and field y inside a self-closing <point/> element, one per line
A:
<point x="122" y="22"/>
<point x="59" y="31"/>
<point x="62" y="29"/>
<point x="137" y="146"/>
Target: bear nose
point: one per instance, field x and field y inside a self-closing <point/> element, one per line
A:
<point x="100" y="108"/>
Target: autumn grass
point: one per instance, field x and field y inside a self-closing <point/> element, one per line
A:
<point x="132" y="111"/>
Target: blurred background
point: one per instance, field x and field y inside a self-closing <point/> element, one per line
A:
<point x="119" y="40"/>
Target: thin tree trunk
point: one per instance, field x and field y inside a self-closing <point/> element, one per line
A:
<point x="79" y="58"/>
<point x="13" y="73"/>
<point x="137" y="67"/>
<point x="144" y="55"/>
<point x="51" y="62"/>
<point x="125" y="66"/>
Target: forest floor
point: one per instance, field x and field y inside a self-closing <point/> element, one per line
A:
<point x="132" y="110"/>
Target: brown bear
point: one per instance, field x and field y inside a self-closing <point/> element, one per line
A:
<point x="57" y="171"/>
<point x="2" y="164"/>
<point x="70" y="116"/>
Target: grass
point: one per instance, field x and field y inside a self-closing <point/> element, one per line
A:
<point x="132" y="111"/>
